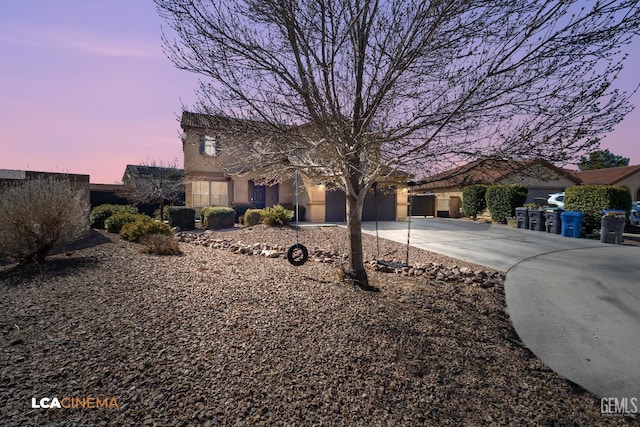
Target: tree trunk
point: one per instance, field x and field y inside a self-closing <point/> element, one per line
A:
<point x="356" y="270"/>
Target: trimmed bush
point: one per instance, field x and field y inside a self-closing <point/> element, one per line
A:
<point x="277" y="216"/>
<point x="301" y="211"/>
<point x="252" y="217"/>
<point x="136" y="230"/>
<point x="217" y="217"/>
<point x="240" y="210"/>
<point x="114" y="223"/>
<point x="502" y="200"/>
<point x="591" y="200"/>
<point x="101" y="213"/>
<point x="473" y="200"/>
<point x="183" y="217"/>
<point x="37" y="214"/>
<point x="160" y="244"/>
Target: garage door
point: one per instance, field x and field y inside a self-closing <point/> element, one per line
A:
<point x="336" y="210"/>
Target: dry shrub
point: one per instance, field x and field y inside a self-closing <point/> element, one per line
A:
<point x="160" y="244"/>
<point x="39" y="213"/>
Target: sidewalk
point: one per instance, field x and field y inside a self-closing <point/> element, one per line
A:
<point x="575" y="303"/>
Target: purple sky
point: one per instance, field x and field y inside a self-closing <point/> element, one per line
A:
<point x="85" y="88"/>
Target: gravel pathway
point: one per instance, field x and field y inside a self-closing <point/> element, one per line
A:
<point x="216" y="337"/>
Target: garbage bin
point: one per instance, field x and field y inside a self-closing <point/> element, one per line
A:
<point x="553" y="221"/>
<point x="536" y="220"/>
<point x="522" y="218"/>
<point x="571" y="223"/>
<point x="612" y="226"/>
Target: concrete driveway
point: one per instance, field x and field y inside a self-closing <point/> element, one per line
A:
<point x="574" y="302"/>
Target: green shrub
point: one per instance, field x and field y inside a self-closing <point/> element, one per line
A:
<point x="136" y="230"/>
<point x="252" y="217"/>
<point x="502" y="200"/>
<point x="181" y="216"/>
<point x="240" y="210"/>
<point x="591" y="200"/>
<point x="301" y="211"/>
<point x="277" y="216"/>
<point x="101" y="213"/>
<point x="160" y="244"/>
<point x="217" y="217"/>
<point x="473" y="200"/>
<point x="114" y="223"/>
<point x="37" y="214"/>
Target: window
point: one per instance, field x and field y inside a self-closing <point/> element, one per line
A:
<point x="210" y="193"/>
<point x="209" y="145"/>
<point x="219" y="194"/>
<point x="200" y="193"/>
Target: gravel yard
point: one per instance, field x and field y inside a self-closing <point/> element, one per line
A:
<point x="218" y="337"/>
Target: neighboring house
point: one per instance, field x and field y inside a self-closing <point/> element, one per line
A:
<point x="78" y="181"/>
<point x="441" y="195"/>
<point x="626" y="176"/>
<point x="142" y="184"/>
<point x="133" y="174"/>
<point x="208" y="181"/>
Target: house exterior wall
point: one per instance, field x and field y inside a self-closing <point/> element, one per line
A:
<point x="631" y="183"/>
<point x="540" y="181"/>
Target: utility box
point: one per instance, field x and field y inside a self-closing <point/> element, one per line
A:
<point x="553" y="221"/>
<point x="571" y="223"/>
<point x="536" y="220"/>
<point x="522" y="218"/>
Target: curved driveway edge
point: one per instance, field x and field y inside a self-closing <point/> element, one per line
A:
<point x="579" y="312"/>
<point x="574" y="302"/>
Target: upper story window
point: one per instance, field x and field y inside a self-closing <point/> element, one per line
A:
<point x="210" y="145"/>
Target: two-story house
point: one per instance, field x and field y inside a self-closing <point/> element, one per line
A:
<point x="208" y="181"/>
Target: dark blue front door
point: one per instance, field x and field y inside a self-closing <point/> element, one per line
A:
<point x="257" y="197"/>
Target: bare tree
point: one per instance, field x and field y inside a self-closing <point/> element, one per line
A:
<point x="154" y="182"/>
<point x="362" y="88"/>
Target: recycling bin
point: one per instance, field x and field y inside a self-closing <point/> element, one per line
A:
<point x="571" y="223"/>
<point x="553" y="221"/>
<point x="611" y="230"/>
<point x="536" y="220"/>
<point x="522" y="218"/>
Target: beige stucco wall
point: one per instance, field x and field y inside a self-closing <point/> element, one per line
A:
<point x="632" y="184"/>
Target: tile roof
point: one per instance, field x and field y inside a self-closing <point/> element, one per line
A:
<point x="156" y="171"/>
<point x="606" y="176"/>
<point x="486" y="171"/>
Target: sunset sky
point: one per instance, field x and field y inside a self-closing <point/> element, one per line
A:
<point x="85" y="88"/>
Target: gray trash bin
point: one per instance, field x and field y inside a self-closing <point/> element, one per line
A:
<point x="536" y="220"/>
<point x="553" y="221"/>
<point x="611" y="230"/>
<point x="522" y="218"/>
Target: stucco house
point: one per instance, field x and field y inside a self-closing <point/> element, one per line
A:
<point x="208" y="181"/>
<point x="625" y="176"/>
<point x="441" y="194"/>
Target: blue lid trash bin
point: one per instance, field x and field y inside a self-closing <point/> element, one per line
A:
<point x="571" y="223"/>
<point x="553" y="221"/>
<point x="612" y="226"/>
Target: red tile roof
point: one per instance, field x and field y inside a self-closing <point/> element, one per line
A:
<point x="608" y="176"/>
<point x="487" y="171"/>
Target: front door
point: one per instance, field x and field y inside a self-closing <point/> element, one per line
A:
<point x="257" y="197"/>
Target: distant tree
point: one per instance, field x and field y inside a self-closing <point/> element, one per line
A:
<point x="351" y="91"/>
<point x="162" y="183"/>
<point x="39" y="213"/>
<point x="601" y="159"/>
